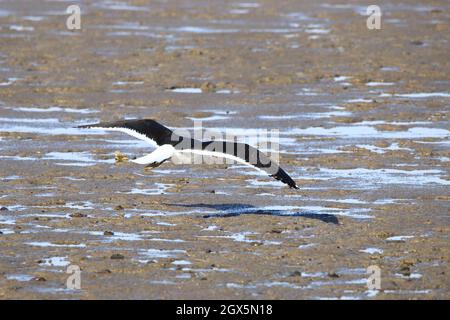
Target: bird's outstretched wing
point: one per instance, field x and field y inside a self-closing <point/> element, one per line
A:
<point x="145" y="129"/>
<point x="241" y="153"/>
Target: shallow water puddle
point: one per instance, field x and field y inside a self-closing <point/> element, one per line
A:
<point x="410" y="276"/>
<point x="356" y="8"/>
<point x="6" y="231"/>
<point x="210" y="228"/>
<point x="306" y="246"/>
<point x="317" y="29"/>
<point x="20" y="28"/>
<point x="181" y="262"/>
<point x="160" y="188"/>
<point x="55" y="261"/>
<point x="54" y="290"/>
<point x="357" y="131"/>
<point x="243" y="237"/>
<point x="49" y="244"/>
<point x="82" y="159"/>
<point x="247" y="4"/>
<point x="159" y="253"/>
<point x="361" y="131"/>
<point x="54" y="109"/>
<point x="116" y="236"/>
<point x="267" y="284"/>
<point x="186" y="90"/>
<point x="127" y="83"/>
<point x="210" y="118"/>
<point x="8" y="82"/>
<point x="19" y="277"/>
<point x="399" y="238"/>
<point x="379" y="84"/>
<point x="315" y="115"/>
<point x="380" y="150"/>
<point x="359" y="100"/>
<point x="169" y="171"/>
<point x="254" y="183"/>
<point x="33" y="18"/>
<point x="381" y="176"/>
<point x="202" y="30"/>
<point x="308" y="92"/>
<point x="118" y="5"/>
<point x="165" y="224"/>
<point x="30" y="120"/>
<point x="123" y="143"/>
<point x="313" y="274"/>
<point x="19" y="158"/>
<point x="167" y="240"/>
<point x="407" y="292"/>
<point x="372" y="250"/>
<point x="278" y="117"/>
<point x="341" y="78"/>
<point x="423" y="95"/>
<point x="47" y="130"/>
<point x="87" y="205"/>
<point x="7" y="220"/>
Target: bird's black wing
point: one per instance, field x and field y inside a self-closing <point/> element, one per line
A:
<point x="145" y="129"/>
<point x="252" y="156"/>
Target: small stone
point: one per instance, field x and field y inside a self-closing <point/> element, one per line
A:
<point x="118" y="208"/>
<point x="108" y="233"/>
<point x="78" y="215"/>
<point x="406" y="271"/>
<point x="417" y="43"/>
<point x="333" y="275"/>
<point x="42" y="219"/>
<point x="276" y="231"/>
<point x="3" y="209"/>
<point x="104" y="271"/>
<point x="117" y="256"/>
<point x="40" y="279"/>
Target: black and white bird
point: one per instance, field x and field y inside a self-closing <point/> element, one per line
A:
<point x="169" y="145"/>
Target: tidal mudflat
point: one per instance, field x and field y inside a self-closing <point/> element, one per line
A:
<point x="363" y="128"/>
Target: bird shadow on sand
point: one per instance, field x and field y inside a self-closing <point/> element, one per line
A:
<point x="237" y="209"/>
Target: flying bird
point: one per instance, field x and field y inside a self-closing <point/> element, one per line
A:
<point x="170" y="145"/>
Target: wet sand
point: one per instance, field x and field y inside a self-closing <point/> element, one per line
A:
<point x="364" y="130"/>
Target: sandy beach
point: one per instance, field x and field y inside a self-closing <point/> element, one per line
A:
<point x="363" y="121"/>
